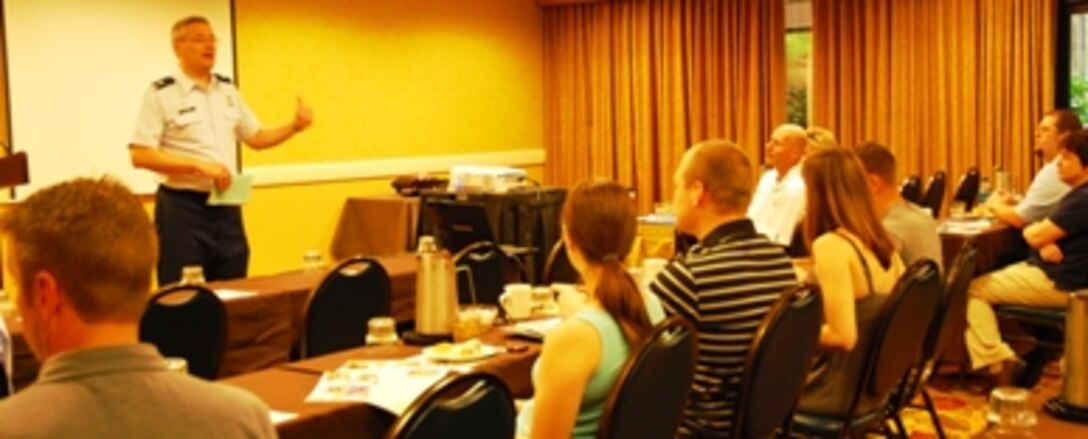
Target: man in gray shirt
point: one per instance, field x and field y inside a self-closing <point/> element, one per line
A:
<point x="1046" y="188"/>
<point x="912" y="229"/>
<point x="81" y="254"/>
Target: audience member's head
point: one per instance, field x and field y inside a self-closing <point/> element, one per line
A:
<point x="880" y="167"/>
<point x="1053" y="125"/>
<point x="839" y="197"/>
<point x="599" y="227"/>
<point x="786" y="147"/>
<point x="81" y="254"/>
<point x="819" y="137"/>
<point x="713" y="182"/>
<point x="1073" y="158"/>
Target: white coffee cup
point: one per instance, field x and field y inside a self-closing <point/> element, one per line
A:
<point x="651" y="267"/>
<point x="517" y="300"/>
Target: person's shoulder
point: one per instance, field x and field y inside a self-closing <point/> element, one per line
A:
<point x="831" y="244"/>
<point x="163" y="83"/>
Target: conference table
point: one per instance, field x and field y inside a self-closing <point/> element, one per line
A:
<point x="264" y="321"/>
<point x="284" y="388"/>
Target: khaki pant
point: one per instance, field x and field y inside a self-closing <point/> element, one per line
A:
<point x="1020" y="284"/>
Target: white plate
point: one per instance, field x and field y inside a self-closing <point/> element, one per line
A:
<point x="453" y="356"/>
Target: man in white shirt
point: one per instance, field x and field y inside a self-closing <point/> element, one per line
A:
<point x="779" y="201"/>
<point x="1046" y="189"/>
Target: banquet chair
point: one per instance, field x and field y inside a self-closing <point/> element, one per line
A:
<point x="967" y="190"/>
<point x="911" y="189"/>
<point x="948" y="323"/>
<point x="338" y="309"/>
<point x="777" y="364"/>
<point x="558" y="267"/>
<point x="1045" y="329"/>
<point x="187" y="321"/>
<point x="661" y="370"/>
<point x="895" y="347"/>
<point x="933" y="198"/>
<point x="483" y="270"/>
<point x="473" y="405"/>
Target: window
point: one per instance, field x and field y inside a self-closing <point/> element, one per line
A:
<point x="798" y="60"/>
<point x="1078" y="59"/>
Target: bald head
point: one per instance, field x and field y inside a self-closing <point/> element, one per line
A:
<point x="786" y="148"/>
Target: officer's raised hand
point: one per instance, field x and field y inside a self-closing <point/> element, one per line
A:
<point x="304" y="115"/>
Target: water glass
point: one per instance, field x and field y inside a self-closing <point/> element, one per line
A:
<point x="311" y="261"/>
<point x="473" y="321"/>
<point x="177" y="364"/>
<point x="192" y="275"/>
<point x="1009" y="407"/>
<point x="958" y="210"/>
<point x="381" y="331"/>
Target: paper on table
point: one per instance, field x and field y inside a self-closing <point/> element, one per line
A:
<point x="389" y="385"/>
<point x="236" y="194"/>
<point x="965" y="227"/>
<point x="279" y="416"/>
<point x="225" y="294"/>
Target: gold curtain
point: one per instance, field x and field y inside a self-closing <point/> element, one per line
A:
<point x="946" y="84"/>
<point x="629" y="85"/>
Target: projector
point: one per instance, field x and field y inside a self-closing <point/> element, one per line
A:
<point x="487" y="179"/>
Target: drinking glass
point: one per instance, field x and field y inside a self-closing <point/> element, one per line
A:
<point x="958" y="210"/>
<point x="176" y="364"/>
<point x="381" y="330"/>
<point x="311" y="261"/>
<point x="1009" y="406"/>
<point x="192" y="275"/>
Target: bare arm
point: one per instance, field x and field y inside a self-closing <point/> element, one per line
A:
<point x="153" y="159"/>
<point x="269" y="137"/>
<point x="570" y="354"/>
<point x="832" y="269"/>
<point x="1007" y="214"/>
<point x="1044" y="232"/>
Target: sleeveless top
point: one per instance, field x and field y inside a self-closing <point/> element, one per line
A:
<point x="830" y="391"/>
<point x="614" y="351"/>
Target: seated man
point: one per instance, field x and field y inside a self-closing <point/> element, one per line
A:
<point x="713" y="187"/>
<point x="81" y="254"/>
<point x="912" y="229"/>
<point x="1046" y="189"/>
<point x="779" y="200"/>
<point x="1056" y="267"/>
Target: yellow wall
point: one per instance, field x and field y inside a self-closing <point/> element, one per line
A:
<point x="405" y="78"/>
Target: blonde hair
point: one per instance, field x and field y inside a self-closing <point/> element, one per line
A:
<point x="838" y="196"/>
<point x="819" y="137"/>
<point x="178" y="30"/>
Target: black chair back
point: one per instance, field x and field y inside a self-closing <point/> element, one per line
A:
<point x="967" y="191"/>
<point x="483" y="269"/>
<point x="934" y="196"/>
<point x="911" y="189"/>
<point x="659" y="370"/>
<point x="337" y="311"/>
<point x="558" y="267"/>
<point x="778" y="362"/>
<point x="951" y="320"/>
<point x="187" y="321"/>
<point x="474" y="405"/>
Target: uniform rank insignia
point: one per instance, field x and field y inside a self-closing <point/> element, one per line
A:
<point x="163" y="83"/>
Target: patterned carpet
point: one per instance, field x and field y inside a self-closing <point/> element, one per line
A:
<point x="962" y="415"/>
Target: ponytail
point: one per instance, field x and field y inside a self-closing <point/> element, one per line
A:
<point x="620" y="296"/>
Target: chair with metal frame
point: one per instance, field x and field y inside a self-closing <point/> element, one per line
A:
<point x="661" y="370"/>
<point x="911" y="189"/>
<point x="967" y="190"/>
<point x="187" y="321"/>
<point x="483" y="270"/>
<point x="933" y="198"/>
<point x="338" y="309"/>
<point x="473" y="405"/>
<point x="558" y="267"/>
<point x="777" y="364"/>
<point x="910" y="305"/>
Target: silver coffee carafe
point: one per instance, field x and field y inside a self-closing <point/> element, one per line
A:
<point x="436" y="290"/>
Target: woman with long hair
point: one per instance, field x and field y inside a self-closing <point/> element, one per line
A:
<point x="855" y="264"/>
<point x="582" y="357"/>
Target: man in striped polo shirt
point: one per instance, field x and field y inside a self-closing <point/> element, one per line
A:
<point x="725" y="284"/>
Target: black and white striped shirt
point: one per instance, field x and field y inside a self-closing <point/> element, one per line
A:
<point x="724" y="285"/>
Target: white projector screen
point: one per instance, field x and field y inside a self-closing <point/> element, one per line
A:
<point x="77" y="70"/>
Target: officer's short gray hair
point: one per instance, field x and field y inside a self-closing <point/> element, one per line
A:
<point x="180" y="25"/>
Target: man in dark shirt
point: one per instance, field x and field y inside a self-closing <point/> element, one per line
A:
<point x="1058" y="266"/>
<point x="725" y="284"/>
